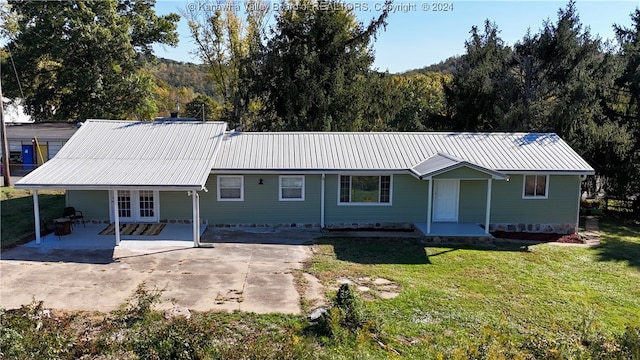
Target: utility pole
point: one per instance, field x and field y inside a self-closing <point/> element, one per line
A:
<point x="203" y="118"/>
<point x="5" y="145"/>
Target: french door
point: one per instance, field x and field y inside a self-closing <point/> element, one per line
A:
<point x="138" y="205"/>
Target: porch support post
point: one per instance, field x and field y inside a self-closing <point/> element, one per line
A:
<point x="116" y="216"/>
<point x="36" y="215"/>
<point x="196" y="218"/>
<point x="429" y="205"/>
<point x="487" y="219"/>
<point x="322" y="201"/>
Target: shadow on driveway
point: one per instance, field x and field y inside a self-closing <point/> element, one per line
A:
<point x="85" y="256"/>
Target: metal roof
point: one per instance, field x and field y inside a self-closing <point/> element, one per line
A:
<point x="327" y="151"/>
<point x="441" y="163"/>
<point x="106" y="154"/>
<point x="51" y="131"/>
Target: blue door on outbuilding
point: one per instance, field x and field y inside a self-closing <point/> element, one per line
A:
<point x="28" y="160"/>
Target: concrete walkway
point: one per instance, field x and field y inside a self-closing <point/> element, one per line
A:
<point x="592" y="231"/>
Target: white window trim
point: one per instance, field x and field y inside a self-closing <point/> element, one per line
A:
<point x="241" y="187"/>
<point x="377" y="203"/>
<point x="280" y="188"/>
<point x="135" y="206"/>
<point x="539" y="197"/>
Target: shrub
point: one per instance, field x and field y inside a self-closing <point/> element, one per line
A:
<point x="31" y="332"/>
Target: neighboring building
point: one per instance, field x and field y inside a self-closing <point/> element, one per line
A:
<point x="144" y="171"/>
<point x="32" y="144"/>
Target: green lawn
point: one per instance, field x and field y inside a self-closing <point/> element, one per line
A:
<point x="17" y="212"/>
<point x="453" y="299"/>
<point x="517" y="302"/>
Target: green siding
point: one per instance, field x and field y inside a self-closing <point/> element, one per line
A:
<point x="473" y="201"/>
<point x="94" y="204"/>
<point x="409" y="203"/>
<point x="177" y="205"/>
<point x="261" y="204"/>
<point x="508" y="206"/>
<point x="462" y="173"/>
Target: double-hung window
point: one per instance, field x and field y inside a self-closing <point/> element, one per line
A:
<point x="230" y="188"/>
<point x="535" y="186"/>
<point x="358" y="189"/>
<point x="291" y="188"/>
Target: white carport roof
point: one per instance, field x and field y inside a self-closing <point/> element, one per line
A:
<point x="109" y="154"/>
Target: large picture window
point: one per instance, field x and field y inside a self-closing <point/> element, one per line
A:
<point x="365" y="189"/>
<point x="535" y="186"/>
<point x="230" y="188"/>
<point x="291" y="188"/>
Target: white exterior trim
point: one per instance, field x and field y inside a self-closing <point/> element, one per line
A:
<point x="241" y="187"/>
<point x="135" y="206"/>
<point x="301" y="198"/>
<point x="378" y="203"/>
<point x="535" y="197"/>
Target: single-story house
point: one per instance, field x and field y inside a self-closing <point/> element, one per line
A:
<point x="32" y="144"/>
<point x="143" y="171"/>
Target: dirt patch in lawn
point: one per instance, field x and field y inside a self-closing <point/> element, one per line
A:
<point x="541" y="237"/>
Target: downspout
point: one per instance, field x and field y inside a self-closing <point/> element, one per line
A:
<point x="582" y="178"/>
<point x="429" y="205"/>
<point x="322" y="202"/>
<point x="36" y="215"/>
<point x="488" y="211"/>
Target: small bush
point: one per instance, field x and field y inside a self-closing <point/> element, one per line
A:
<point x="31" y="332"/>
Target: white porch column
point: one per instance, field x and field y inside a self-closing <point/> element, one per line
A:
<point x="487" y="219"/>
<point x="429" y="205"/>
<point x="322" y="202"/>
<point x="116" y="216"/>
<point x="36" y="215"/>
<point x="196" y="218"/>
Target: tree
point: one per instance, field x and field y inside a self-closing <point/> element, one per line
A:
<point x="317" y="65"/>
<point x="482" y="89"/>
<point x="82" y="59"/>
<point x="203" y="107"/>
<point x="230" y="46"/>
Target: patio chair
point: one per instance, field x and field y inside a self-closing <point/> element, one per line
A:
<point x="73" y="214"/>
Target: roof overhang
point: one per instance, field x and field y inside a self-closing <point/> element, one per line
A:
<point x="442" y="163"/>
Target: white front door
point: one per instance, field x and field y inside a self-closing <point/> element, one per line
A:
<point x="138" y="205"/>
<point x="445" y="200"/>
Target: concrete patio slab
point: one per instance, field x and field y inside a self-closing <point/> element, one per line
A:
<point x="247" y="272"/>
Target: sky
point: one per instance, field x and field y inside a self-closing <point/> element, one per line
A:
<point x="417" y="35"/>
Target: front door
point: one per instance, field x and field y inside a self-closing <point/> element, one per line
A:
<point x="138" y="205"/>
<point x="445" y="200"/>
<point x="28" y="160"/>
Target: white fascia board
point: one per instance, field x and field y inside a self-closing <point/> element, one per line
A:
<point x="109" y="187"/>
<point x="308" y="171"/>
<point x="550" y="172"/>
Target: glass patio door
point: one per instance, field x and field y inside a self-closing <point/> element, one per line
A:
<point x="138" y="205"/>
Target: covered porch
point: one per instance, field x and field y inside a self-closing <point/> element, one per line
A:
<point x="132" y="161"/>
<point x="450" y="212"/>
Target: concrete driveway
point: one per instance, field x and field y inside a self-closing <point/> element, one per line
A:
<point x="246" y="269"/>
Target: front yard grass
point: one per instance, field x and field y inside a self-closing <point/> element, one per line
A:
<point x="513" y="302"/>
<point x="16" y="211"/>
<point x="452" y="299"/>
